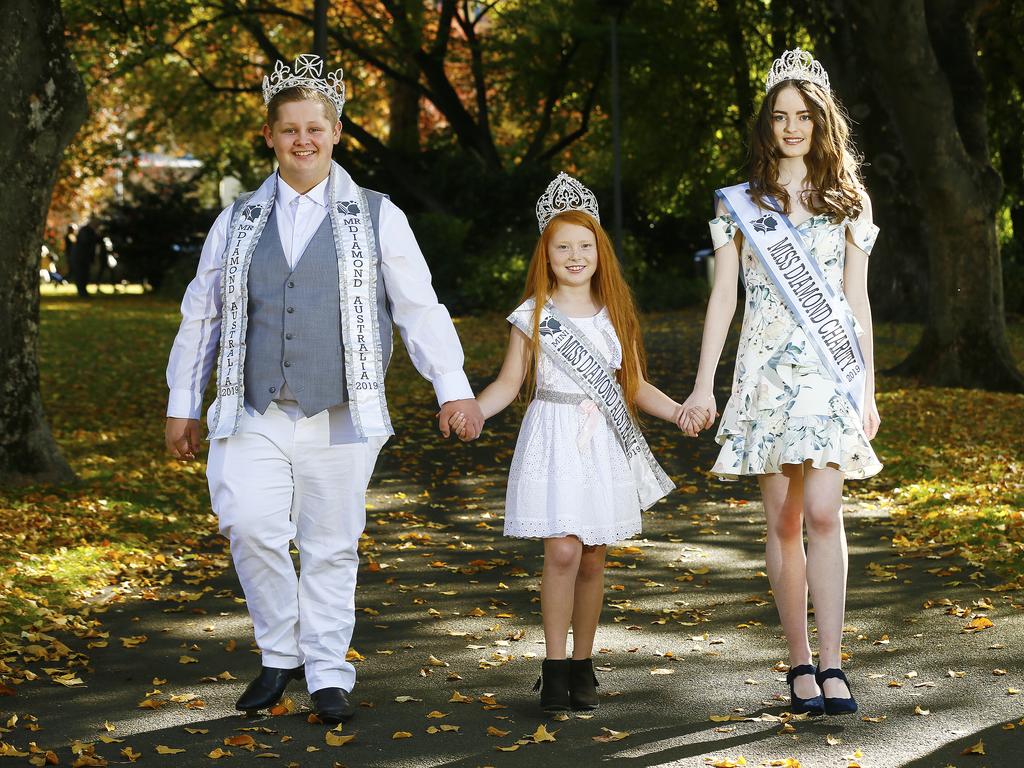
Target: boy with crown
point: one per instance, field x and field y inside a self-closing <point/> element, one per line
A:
<point x="297" y="289"/>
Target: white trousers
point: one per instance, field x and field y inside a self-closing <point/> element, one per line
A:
<point x="278" y="480"/>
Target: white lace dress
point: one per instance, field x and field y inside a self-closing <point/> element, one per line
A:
<point x="567" y="480"/>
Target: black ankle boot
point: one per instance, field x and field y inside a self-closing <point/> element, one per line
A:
<point x="583" y="685"/>
<point x="554" y="686"/>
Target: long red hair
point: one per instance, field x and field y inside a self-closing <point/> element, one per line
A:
<point x="608" y="287"/>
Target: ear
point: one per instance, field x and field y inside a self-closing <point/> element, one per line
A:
<point x="336" y="133"/>
<point x="268" y="136"/>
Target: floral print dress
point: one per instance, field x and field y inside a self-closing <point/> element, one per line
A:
<point x="784" y="407"/>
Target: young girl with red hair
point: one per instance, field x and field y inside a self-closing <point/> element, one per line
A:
<point x="581" y="472"/>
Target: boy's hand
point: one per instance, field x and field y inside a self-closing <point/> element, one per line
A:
<point x="182" y="438"/>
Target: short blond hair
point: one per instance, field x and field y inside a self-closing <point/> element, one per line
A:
<point x="301" y="93"/>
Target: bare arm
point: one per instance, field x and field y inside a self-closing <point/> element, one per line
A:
<point x="503" y="390"/>
<point x="855" y="287"/>
<point x="652" y="400"/>
<point x="721" y="309"/>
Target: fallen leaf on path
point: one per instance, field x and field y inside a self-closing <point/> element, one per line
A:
<point x="610" y="735"/>
<point x="162" y="750"/>
<point x="542" y="734"/>
<point x="976" y="749"/>
<point x="335" y="739"/>
<point x="401" y="735"/>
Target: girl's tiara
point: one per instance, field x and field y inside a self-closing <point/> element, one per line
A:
<point x="307" y="72"/>
<point x="565" y="194"/>
<point x="797" y="64"/>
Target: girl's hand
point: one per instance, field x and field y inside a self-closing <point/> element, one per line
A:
<point x="459" y="425"/>
<point x="871" y="418"/>
<point x="699" y="412"/>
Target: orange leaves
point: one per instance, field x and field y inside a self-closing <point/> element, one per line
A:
<point x="334" y="737"/>
<point x="161" y="749"/>
<point x="610" y="735"/>
<point x="978" y="624"/>
<point x="975" y="749"/>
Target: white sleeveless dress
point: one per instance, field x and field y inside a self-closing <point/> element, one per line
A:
<point x="570" y="477"/>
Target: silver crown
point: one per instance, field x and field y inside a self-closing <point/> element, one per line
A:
<point x="565" y="194"/>
<point x="307" y="72"/>
<point x="797" y="64"/>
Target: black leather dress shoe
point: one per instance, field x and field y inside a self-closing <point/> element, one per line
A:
<point x="266" y="690"/>
<point x="332" y="706"/>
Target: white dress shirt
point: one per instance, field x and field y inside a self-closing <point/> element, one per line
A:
<point x="299" y="217"/>
<point x="424" y="324"/>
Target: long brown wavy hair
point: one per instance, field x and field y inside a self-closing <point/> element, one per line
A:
<point x="833" y="165"/>
<point x="609" y="289"/>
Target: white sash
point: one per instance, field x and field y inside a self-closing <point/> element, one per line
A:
<point x="803" y="287"/>
<point x="357" y="273"/>
<point x="572" y="352"/>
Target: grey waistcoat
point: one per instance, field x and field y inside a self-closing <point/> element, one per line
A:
<point x="294" y="320"/>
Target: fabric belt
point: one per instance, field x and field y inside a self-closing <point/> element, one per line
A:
<point x="565" y="398"/>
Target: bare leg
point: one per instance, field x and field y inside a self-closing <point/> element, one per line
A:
<point x="589" y="597"/>
<point x="561" y="563"/>
<point x="782" y="495"/>
<point x="827" y="565"/>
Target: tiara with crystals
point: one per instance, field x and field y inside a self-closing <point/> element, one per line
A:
<point x="307" y="72"/>
<point x="565" y="194"/>
<point x="797" y="64"/>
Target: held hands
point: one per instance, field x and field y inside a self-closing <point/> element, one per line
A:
<point x="182" y="438"/>
<point x="463" y="417"/>
<point x="697" y="413"/>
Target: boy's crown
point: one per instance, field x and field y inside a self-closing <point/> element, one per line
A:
<point x="306" y="72"/>
<point x="565" y="194"/>
<point x="797" y="64"/>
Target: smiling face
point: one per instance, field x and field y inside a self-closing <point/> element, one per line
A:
<point x="792" y="123"/>
<point x="572" y="253"/>
<point x="303" y="137"/>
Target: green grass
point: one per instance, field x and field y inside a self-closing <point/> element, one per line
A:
<point x="953" y="457"/>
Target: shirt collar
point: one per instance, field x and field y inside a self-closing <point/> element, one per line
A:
<point x="286" y="195"/>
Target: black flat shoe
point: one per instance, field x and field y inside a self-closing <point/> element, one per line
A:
<point x="812" y="706"/>
<point x="332" y="706"/>
<point x="554" y="686"/>
<point x="583" y="685"/>
<point x="835" y="705"/>
<point x="268" y="688"/>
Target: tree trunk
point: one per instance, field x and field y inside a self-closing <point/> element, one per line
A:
<point x="964" y="342"/>
<point x="898" y="278"/>
<point x="320" y="28"/>
<point x="403" y="118"/>
<point x="42" y="103"/>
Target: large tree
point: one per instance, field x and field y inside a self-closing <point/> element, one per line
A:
<point x="42" y="103"/>
<point x="924" y="60"/>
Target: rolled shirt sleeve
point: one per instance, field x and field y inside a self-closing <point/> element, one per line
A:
<point x="424" y="323"/>
<point x="195" y="347"/>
